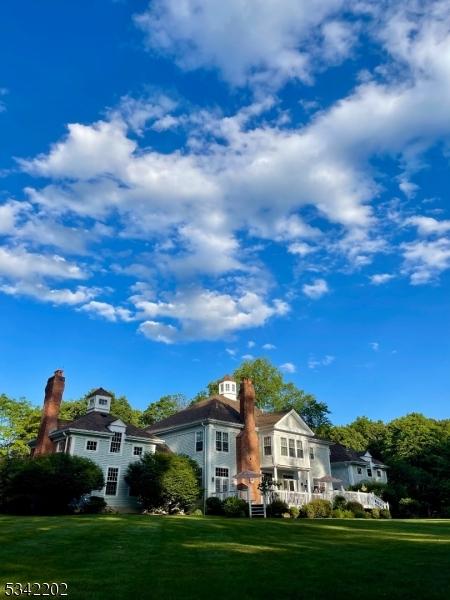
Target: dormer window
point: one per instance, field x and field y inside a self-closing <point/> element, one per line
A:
<point x="116" y="442"/>
<point x="103" y="402"/>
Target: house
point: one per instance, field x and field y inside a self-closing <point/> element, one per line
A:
<point x="227" y="434"/>
<point x="97" y="435"/>
<point x="354" y="467"/>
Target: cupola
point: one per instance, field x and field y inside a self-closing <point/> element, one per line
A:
<point x="227" y="387"/>
<point x="100" y="401"/>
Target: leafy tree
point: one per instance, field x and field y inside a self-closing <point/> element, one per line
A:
<point x="19" y="423"/>
<point x="167" y="481"/>
<point x="47" y="484"/>
<point x="273" y="393"/>
<point x="165" y="407"/>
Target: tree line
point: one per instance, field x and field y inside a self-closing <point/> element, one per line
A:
<point x="416" y="448"/>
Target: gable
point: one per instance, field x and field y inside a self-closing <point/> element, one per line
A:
<point x="292" y="421"/>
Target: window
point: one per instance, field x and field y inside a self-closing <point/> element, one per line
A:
<point x="299" y="449"/>
<point x="221" y="480"/>
<point x="112" y="479"/>
<point x="267" y="446"/>
<point x="311" y="453"/>
<point x="292" y="448"/>
<point x="61" y="446"/>
<point x="91" y="402"/>
<point x="102" y="401"/>
<point x="227" y="387"/>
<point x="359" y="471"/>
<point x="222" y="441"/>
<point x="198" y="441"/>
<point x="288" y="483"/>
<point x="284" y="450"/>
<point x="116" y="442"/>
<point x="369" y="472"/>
<point x="378" y="473"/>
<point x="137" y="450"/>
<point x="91" y="445"/>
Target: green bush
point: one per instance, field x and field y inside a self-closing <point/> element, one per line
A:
<point x="277" y="508"/>
<point x="294" y="512"/>
<point x="235" y="507"/>
<point x="317" y="509"/>
<point x="385" y="513"/>
<point x="375" y="513"/>
<point x="197" y="513"/>
<point x="357" y="509"/>
<point x="93" y="505"/>
<point x="409" y="508"/>
<point x="339" y="502"/>
<point x="340" y="513"/>
<point x="47" y="484"/>
<point x="214" y="506"/>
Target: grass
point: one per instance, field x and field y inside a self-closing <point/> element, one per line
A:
<point x="132" y="556"/>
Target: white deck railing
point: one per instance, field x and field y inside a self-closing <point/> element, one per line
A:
<point x="368" y="500"/>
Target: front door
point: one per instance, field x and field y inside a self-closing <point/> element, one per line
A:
<point x="288" y="482"/>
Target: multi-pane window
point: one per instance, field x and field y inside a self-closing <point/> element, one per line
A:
<point x="292" y="448"/>
<point x="222" y="475"/>
<point x="91" y="445"/>
<point x="112" y="479"/>
<point x="102" y="401"/>
<point x="137" y="450"/>
<point x="61" y="446"/>
<point x="311" y="453"/>
<point x="268" y="446"/>
<point x="378" y="473"/>
<point x="222" y="444"/>
<point x="288" y="483"/>
<point x="116" y="442"/>
<point x="299" y="449"/>
<point x="199" y="441"/>
<point x="283" y="447"/>
<point x="369" y="472"/>
<point x="359" y="470"/>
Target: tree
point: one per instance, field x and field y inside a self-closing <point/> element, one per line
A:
<point x="19" y="423"/>
<point x="167" y="481"/>
<point x="165" y="407"/>
<point x="47" y="484"/>
<point x="273" y="393"/>
<point x="120" y="407"/>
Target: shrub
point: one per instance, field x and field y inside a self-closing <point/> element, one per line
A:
<point x="48" y="484"/>
<point x="317" y="509"/>
<point x="294" y="512"/>
<point x="197" y="513"/>
<point x="357" y="509"/>
<point x="214" y="506"/>
<point x="277" y="508"/>
<point x="235" y="507"/>
<point x="340" y="513"/>
<point x="93" y="505"/>
<point x="375" y="513"/>
<point x="167" y="481"/>
<point x="385" y="513"/>
<point x="409" y="508"/>
<point x="339" y="502"/>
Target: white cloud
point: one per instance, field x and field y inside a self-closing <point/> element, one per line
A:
<point x="248" y="357"/>
<point x="316" y="289"/>
<point x="327" y="360"/>
<point x="231" y="352"/>
<point x="107" y="311"/>
<point x="269" y="347"/>
<point x="251" y="344"/>
<point x="18" y="263"/>
<point x="428" y="225"/>
<point x="425" y="260"/>
<point x="380" y="278"/>
<point x="375" y="346"/>
<point x="261" y="41"/>
<point x="42" y="293"/>
<point x="288" y="367"/>
<point x="204" y="314"/>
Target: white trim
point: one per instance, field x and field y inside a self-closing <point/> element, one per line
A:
<point x="137" y="455"/>
<point x="106" y="481"/>
<point x="88" y="450"/>
<point x="122" y="444"/>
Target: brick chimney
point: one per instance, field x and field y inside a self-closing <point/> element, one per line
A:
<point x="247" y="442"/>
<point x="52" y="403"/>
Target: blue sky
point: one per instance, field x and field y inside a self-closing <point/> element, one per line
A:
<point x="184" y="184"/>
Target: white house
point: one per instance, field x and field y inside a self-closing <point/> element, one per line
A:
<point x="214" y="433"/>
<point x="353" y="467"/>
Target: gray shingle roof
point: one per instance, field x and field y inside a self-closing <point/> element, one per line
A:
<point x="98" y="421"/>
<point x="340" y="453"/>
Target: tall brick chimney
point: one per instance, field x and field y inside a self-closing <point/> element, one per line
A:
<point x="247" y="442"/>
<point x="52" y="403"/>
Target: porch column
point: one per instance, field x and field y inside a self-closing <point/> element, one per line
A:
<point x="275" y="473"/>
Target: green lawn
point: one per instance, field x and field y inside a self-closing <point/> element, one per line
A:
<point x="196" y="557"/>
